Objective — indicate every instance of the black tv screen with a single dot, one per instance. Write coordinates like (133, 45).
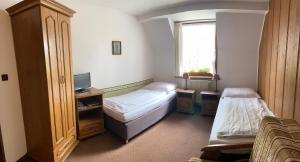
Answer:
(82, 81)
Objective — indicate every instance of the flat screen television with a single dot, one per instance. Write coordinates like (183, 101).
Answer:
(82, 82)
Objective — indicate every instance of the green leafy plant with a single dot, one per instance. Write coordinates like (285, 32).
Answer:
(204, 70)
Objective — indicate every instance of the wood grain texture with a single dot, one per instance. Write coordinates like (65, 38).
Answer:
(273, 70)
(42, 44)
(297, 101)
(222, 147)
(291, 60)
(269, 52)
(64, 27)
(262, 61)
(50, 30)
(51, 4)
(33, 83)
(279, 62)
(90, 118)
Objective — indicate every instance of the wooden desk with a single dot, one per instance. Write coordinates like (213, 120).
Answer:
(185, 100)
(89, 108)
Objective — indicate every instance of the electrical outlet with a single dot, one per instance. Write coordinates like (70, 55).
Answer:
(4, 77)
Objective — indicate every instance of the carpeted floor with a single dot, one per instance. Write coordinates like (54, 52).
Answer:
(174, 139)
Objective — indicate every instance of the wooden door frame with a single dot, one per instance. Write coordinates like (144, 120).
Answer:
(2, 153)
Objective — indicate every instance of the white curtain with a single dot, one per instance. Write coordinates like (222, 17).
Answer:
(178, 38)
(195, 47)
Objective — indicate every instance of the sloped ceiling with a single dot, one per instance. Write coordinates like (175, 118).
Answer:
(140, 7)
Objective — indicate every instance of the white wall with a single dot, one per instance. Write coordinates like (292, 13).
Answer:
(160, 33)
(93, 30)
(11, 118)
(238, 48)
(163, 43)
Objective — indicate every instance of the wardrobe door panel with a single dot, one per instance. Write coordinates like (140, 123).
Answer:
(65, 43)
(52, 56)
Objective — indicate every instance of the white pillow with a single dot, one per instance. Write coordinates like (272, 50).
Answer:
(161, 86)
(240, 93)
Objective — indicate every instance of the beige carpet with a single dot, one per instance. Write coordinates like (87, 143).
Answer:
(174, 139)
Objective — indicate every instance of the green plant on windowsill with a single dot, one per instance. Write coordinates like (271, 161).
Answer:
(204, 70)
(200, 72)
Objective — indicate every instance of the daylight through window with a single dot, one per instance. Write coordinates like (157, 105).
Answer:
(198, 52)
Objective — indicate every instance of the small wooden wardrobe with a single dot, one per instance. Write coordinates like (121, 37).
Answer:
(42, 39)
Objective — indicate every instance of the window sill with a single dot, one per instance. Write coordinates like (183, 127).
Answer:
(196, 77)
(200, 77)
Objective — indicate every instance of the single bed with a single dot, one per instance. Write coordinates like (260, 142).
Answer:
(239, 114)
(129, 114)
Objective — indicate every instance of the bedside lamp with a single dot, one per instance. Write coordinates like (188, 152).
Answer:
(216, 77)
(185, 77)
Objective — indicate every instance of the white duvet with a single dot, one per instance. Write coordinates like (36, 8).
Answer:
(241, 117)
(134, 100)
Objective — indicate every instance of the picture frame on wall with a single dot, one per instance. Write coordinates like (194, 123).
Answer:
(116, 47)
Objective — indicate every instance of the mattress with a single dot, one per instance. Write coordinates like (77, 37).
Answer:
(218, 122)
(133, 105)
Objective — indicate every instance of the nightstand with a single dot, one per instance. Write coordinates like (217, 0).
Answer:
(209, 102)
(89, 108)
(185, 100)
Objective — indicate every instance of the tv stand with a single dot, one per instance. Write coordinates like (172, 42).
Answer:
(81, 90)
(89, 108)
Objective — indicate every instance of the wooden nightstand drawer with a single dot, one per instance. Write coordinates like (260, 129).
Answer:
(209, 108)
(184, 103)
(90, 129)
(185, 100)
(209, 102)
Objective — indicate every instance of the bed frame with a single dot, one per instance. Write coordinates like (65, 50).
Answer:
(132, 128)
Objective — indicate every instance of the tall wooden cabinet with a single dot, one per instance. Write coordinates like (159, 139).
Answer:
(42, 38)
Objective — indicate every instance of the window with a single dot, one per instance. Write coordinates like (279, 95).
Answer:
(196, 51)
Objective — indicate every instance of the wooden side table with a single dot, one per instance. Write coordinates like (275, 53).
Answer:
(209, 102)
(89, 108)
(185, 100)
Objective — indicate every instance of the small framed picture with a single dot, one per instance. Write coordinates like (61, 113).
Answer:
(116, 48)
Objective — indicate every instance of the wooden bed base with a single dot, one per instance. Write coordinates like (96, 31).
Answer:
(214, 151)
(132, 128)
(222, 147)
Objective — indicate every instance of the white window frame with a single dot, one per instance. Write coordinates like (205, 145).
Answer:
(178, 39)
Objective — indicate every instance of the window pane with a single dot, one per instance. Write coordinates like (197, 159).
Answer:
(198, 47)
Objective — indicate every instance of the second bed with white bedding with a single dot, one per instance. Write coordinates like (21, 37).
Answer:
(130, 106)
(237, 120)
